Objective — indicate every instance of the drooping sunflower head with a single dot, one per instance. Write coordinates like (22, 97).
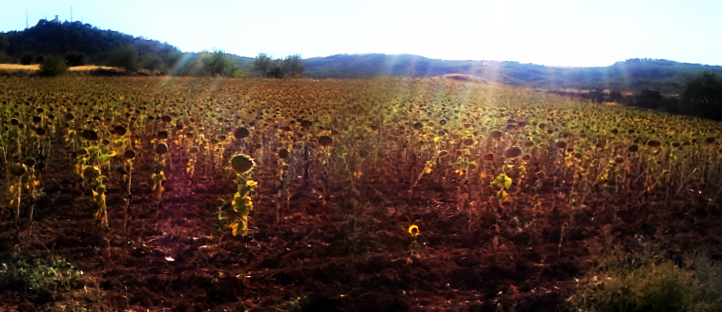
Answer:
(29, 162)
(91, 172)
(119, 130)
(129, 154)
(242, 163)
(241, 132)
(512, 152)
(325, 140)
(17, 169)
(161, 148)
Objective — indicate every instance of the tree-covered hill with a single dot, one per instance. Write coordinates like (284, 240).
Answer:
(630, 75)
(84, 40)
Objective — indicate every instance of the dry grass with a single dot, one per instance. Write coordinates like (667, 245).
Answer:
(18, 67)
(91, 67)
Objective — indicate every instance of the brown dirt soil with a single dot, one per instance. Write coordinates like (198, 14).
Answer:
(463, 77)
(355, 259)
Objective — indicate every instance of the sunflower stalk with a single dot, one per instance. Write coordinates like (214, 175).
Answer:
(158, 177)
(33, 183)
(221, 222)
(16, 194)
(242, 202)
(129, 155)
(95, 178)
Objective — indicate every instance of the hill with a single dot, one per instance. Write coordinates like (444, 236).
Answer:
(630, 75)
(64, 38)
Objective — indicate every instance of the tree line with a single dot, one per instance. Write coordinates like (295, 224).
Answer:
(210, 63)
(701, 97)
(290, 67)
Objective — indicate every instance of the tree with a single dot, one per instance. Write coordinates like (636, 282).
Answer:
(171, 58)
(76, 59)
(53, 65)
(153, 63)
(218, 63)
(275, 72)
(703, 96)
(263, 64)
(27, 58)
(125, 57)
(3, 42)
(648, 99)
(293, 66)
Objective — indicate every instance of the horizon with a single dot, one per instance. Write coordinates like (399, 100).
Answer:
(567, 34)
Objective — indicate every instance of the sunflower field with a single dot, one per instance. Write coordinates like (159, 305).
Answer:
(391, 194)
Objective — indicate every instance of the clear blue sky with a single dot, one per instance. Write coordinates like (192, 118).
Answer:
(559, 33)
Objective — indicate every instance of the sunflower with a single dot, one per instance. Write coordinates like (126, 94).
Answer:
(161, 148)
(17, 169)
(414, 230)
(242, 163)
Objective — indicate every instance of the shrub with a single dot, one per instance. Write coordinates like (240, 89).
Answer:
(48, 274)
(239, 73)
(53, 66)
(709, 274)
(633, 283)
